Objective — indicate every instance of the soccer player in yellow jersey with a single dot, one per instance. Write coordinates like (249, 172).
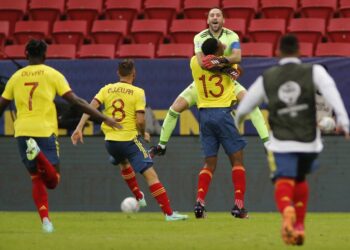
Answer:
(217, 128)
(126, 103)
(33, 90)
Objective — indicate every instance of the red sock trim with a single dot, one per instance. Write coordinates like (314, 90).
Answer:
(129, 177)
(284, 193)
(301, 196)
(40, 196)
(159, 193)
(47, 171)
(204, 180)
(239, 184)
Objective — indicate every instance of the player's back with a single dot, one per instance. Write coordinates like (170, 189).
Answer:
(121, 101)
(33, 89)
(215, 89)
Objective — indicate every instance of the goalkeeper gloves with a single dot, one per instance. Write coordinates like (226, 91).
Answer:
(210, 61)
(233, 73)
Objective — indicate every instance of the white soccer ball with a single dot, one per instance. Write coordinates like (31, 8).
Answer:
(327, 124)
(130, 205)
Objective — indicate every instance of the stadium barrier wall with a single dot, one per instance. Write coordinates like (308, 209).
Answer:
(90, 183)
(163, 80)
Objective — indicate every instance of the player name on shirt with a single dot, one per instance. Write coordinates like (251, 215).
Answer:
(120, 90)
(32, 73)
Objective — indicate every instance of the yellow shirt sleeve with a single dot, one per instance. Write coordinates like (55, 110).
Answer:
(8, 92)
(100, 96)
(140, 104)
(62, 85)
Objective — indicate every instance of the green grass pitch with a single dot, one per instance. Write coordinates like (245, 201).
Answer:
(97, 230)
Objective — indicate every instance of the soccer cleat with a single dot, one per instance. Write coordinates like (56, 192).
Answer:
(32, 149)
(176, 216)
(240, 213)
(299, 234)
(199, 210)
(142, 202)
(47, 225)
(157, 150)
(288, 232)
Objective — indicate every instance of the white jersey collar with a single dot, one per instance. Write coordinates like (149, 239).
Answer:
(289, 60)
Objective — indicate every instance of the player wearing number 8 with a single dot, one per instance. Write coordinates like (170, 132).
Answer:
(33, 89)
(215, 98)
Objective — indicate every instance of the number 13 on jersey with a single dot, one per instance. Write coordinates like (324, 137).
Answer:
(212, 85)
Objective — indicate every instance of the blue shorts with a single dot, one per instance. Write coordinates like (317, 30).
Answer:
(134, 151)
(48, 145)
(293, 165)
(217, 127)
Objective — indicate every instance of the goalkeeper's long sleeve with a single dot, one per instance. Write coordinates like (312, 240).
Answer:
(259, 123)
(168, 126)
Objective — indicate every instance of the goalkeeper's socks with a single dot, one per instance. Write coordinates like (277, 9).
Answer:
(301, 196)
(204, 180)
(129, 177)
(284, 193)
(47, 171)
(168, 126)
(159, 193)
(239, 184)
(40, 197)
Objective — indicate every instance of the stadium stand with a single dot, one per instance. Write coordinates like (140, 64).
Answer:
(69, 32)
(306, 49)
(318, 8)
(278, 9)
(103, 51)
(43, 10)
(162, 9)
(344, 8)
(333, 49)
(267, 30)
(25, 30)
(308, 29)
(196, 9)
(182, 32)
(136, 51)
(257, 49)
(4, 32)
(245, 9)
(61, 51)
(237, 25)
(12, 11)
(180, 50)
(339, 30)
(15, 51)
(149, 31)
(109, 31)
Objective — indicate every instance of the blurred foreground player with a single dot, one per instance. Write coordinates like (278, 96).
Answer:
(289, 91)
(126, 103)
(33, 89)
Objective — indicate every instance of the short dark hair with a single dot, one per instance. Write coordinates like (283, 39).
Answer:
(36, 49)
(210, 46)
(126, 67)
(289, 44)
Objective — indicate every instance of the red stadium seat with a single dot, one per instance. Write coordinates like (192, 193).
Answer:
(149, 31)
(278, 9)
(25, 30)
(84, 10)
(267, 30)
(61, 51)
(318, 8)
(162, 9)
(15, 51)
(197, 9)
(109, 31)
(339, 30)
(333, 49)
(179, 50)
(12, 11)
(4, 32)
(181, 31)
(306, 49)
(123, 10)
(237, 25)
(308, 29)
(69, 32)
(43, 10)
(344, 8)
(136, 51)
(106, 51)
(244, 9)
(257, 49)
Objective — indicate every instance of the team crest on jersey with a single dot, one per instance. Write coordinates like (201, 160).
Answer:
(289, 93)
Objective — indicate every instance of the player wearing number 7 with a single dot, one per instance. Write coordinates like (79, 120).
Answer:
(126, 103)
(33, 90)
(215, 98)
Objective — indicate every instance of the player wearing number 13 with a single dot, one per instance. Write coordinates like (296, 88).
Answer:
(215, 98)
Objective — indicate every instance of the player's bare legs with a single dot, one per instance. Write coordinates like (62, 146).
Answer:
(129, 177)
(159, 193)
(239, 184)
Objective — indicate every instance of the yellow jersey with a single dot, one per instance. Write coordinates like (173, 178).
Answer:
(33, 89)
(215, 89)
(121, 101)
